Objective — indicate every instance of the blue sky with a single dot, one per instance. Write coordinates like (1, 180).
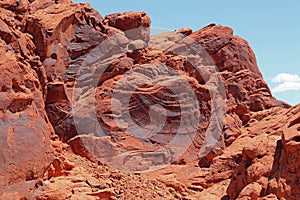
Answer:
(272, 29)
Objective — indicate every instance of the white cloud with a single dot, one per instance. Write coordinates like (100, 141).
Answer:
(286, 82)
(287, 86)
(284, 77)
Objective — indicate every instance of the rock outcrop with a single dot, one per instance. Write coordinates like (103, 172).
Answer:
(25, 129)
(82, 94)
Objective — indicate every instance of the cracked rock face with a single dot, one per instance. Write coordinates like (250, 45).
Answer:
(284, 183)
(79, 90)
(25, 129)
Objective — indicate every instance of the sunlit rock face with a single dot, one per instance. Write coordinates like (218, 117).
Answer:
(160, 105)
(287, 164)
(82, 94)
(25, 129)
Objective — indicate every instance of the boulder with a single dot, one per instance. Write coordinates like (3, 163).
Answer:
(136, 25)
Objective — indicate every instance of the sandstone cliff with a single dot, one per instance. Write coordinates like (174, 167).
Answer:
(95, 107)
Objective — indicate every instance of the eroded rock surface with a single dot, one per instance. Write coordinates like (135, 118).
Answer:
(25, 129)
(79, 90)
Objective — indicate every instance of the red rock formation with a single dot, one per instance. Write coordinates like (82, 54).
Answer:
(134, 24)
(24, 125)
(120, 97)
(284, 181)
